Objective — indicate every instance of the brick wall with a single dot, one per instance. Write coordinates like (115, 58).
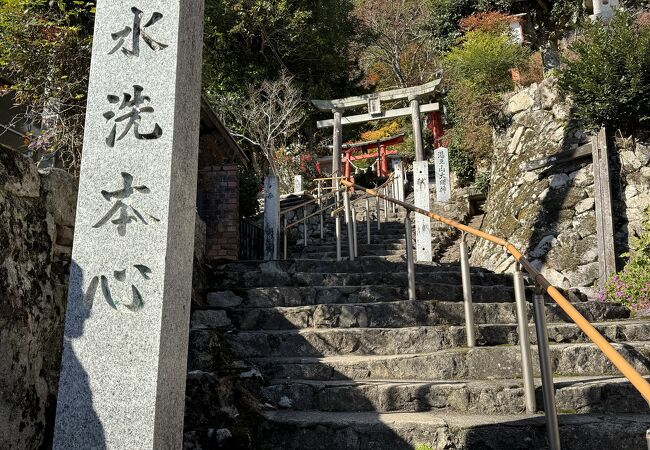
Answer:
(218, 205)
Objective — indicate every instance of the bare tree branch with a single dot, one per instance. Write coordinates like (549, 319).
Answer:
(268, 118)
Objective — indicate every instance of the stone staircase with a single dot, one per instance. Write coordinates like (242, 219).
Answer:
(349, 363)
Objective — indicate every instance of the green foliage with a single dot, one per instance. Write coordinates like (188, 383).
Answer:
(631, 287)
(445, 16)
(460, 162)
(423, 447)
(607, 74)
(248, 41)
(478, 71)
(482, 182)
(485, 60)
(45, 48)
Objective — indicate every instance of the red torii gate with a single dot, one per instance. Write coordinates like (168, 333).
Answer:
(382, 153)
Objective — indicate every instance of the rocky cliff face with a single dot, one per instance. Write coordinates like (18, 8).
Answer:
(549, 212)
(37, 211)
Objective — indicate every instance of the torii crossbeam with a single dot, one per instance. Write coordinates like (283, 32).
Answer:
(373, 103)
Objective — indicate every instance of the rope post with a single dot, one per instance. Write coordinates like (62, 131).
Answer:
(305, 234)
(337, 225)
(409, 256)
(467, 292)
(368, 220)
(320, 206)
(378, 213)
(354, 228)
(284, 243)
(552, 427)
(348, 219)
(524, 340)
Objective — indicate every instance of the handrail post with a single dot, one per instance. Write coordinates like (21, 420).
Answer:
(285, 237)
(337, 225)
(552, 427)
(320, 207)
(378, 213)
(524, 340)
(368, 220)
(348, 219)
(305, 234)
(409, 256)
(354, 228)
(467, 292)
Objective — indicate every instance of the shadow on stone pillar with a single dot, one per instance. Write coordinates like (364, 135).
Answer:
(81, 412)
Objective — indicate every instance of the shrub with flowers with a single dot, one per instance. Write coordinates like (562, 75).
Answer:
(631, 286)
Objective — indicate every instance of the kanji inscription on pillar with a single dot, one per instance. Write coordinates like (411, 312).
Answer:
(443, 183)
(127, 321)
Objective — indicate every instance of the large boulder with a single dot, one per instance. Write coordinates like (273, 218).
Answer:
(36, 222)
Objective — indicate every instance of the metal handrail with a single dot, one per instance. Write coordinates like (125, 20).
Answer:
(309, 202)
(339, 210)
(319, 200)
(299, 221)
(610, 352)
(327, 178)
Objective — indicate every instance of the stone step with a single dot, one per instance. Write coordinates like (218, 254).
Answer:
(397, 232)
(573, 395)
(454, 364)
(299, 430)
(377, 264)
(394, 314)
(362, 254)
(411, 340)
(322, 248)
(254, 279)
(282, 296)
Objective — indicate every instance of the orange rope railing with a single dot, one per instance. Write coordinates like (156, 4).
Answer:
(610, 352)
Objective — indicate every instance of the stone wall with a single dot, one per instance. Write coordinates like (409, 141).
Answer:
(631, 193)
(549, 213)
(296, 233)
(218, 199)
(37, 212)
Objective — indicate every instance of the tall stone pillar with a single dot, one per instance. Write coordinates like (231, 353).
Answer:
(417, 128)
(598, 7)
(271, 217)
(422, 200)
(337, 143)
(123, 372)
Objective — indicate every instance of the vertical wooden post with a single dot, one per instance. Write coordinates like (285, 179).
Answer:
(348, 164)
(417, 128)
(435, 125)
(604, 218)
